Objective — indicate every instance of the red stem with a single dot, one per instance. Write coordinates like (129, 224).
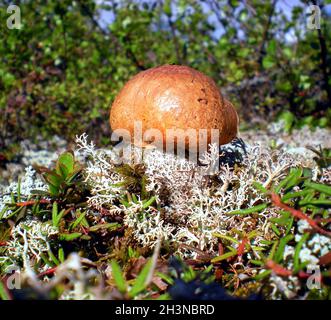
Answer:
(298, 214)
(31, 202)
(47, 272)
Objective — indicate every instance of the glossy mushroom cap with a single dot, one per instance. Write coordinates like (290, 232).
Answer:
(174, 97)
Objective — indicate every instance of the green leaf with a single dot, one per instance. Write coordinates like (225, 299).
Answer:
(273, 250)
(110, 226)
(53, 179)
(272, 47)
(224, 256)
(258, 186)
(56, 217)
(53, 258)
(46, 260)
(65, 164)
(289, 119)
(257, 262)
(291, 195)
(149, 202)
(268, 62)
(54, 213)
(244, 212)
(283, 219)
(118, 277)
(294, 178)
(3, 292)
(167, 8)
(262, 275)
(73, 175)
(140, 282)
(275, 229)
(2, 212)
(319, 187)
(78, 220)
(316, 203)
(280, 251)
(54, 191)
(69, 236)
(61, 255)
(134, 198)
(39, 193)
(165, 277)
(223, 236)
(289, 178)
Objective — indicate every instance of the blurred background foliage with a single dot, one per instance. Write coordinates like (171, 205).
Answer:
(60, 72)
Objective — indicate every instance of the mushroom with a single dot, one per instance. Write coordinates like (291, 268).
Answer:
(178, 98)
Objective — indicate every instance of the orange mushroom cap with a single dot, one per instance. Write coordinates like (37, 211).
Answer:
(174, 97)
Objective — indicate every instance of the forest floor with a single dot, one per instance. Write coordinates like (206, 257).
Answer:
(251, 221)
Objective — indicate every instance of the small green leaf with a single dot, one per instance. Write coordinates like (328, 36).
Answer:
(39, 192)
(54, 191)
(268, 62)
(165, 277)
(258, 186)
(110, 226)
(272, 47)
(319, 187)
(316, 203)
(46, 260)
(149, 202)
(275, 229)
(69, 236)
(273, 250)
(280, 251)
(294, 179)
(61, 255)
(54, 213)
(134, 198)
(53, 179)
(3, 292)
(224, 256)
(262, 275)
(118, 277)
(257, 262)
(2, 212)
(140, 282)
(247, 211)
(291, 195)
(283, 219)
(53, 258)
(289, 119)
(56, 217)
(65, 164)
(78, 220)
(223, 236)
(292, 176)
(72, 176)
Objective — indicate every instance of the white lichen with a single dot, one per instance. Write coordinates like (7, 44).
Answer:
(28, 182)
(29, 240)
(195, 204)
